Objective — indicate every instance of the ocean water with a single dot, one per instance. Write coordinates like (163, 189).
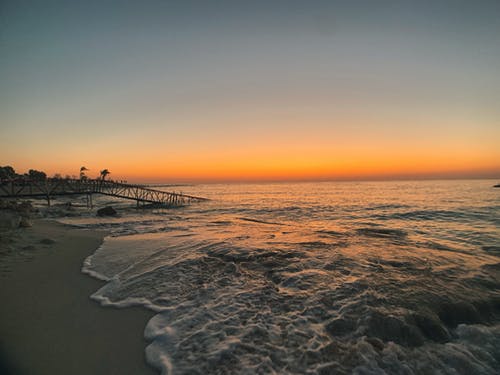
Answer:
(312, 278)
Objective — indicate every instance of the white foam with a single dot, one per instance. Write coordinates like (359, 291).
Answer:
(87, 269)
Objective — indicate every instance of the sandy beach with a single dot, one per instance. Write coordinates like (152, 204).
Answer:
(48, 323)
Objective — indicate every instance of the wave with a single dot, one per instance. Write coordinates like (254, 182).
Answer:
(494, 250)
(439, 215)
(260, 221)
(387, 233)
(225, 308)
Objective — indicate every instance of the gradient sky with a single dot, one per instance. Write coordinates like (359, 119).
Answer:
(251, 90)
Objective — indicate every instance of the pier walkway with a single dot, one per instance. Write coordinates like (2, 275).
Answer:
(51, 187)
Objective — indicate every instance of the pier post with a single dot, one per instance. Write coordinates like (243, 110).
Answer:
(89, 201)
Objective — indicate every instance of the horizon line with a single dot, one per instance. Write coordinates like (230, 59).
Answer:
(284, 181)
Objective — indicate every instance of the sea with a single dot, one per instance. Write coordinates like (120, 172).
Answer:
(311, 278)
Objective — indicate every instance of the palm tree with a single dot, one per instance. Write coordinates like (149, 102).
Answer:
(104, 173)
(82, 173)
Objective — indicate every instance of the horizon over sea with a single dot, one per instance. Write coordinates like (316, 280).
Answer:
(386, 179)
(398, 277)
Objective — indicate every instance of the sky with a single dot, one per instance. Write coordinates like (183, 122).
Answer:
(202, 91)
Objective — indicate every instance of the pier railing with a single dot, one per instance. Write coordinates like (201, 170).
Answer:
(51, 187)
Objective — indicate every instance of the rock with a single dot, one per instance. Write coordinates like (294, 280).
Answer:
(376, 343)
(489, 309)
(453, 314)
(25, 223)
(9, 220)
(391, 328)
(106, 211)
(431, 327)
(47, 241)
(340, 326)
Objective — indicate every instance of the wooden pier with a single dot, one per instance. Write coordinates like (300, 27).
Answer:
(51, 187)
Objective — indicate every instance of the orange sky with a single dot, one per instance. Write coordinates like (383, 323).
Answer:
(294, 156)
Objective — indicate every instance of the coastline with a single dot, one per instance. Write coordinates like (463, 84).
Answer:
(48, 323)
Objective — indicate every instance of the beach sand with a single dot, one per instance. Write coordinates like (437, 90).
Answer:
(48, 323)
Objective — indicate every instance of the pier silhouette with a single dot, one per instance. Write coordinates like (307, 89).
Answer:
(52, 187)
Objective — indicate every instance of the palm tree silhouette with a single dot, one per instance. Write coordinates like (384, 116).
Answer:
(82, 173)
(104, 173)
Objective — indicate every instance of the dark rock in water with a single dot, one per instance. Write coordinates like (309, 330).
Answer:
(376, 343)
(340, 326)
(391, 328)
(106, 211)
(431, 328)
(488, 309)
(453, 314)
(47, 241)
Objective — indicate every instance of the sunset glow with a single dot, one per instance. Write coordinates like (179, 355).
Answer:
(251, 93)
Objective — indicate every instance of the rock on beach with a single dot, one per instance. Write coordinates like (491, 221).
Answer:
(106, 211)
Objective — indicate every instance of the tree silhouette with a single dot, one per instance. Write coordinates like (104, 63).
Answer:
(7, 172)
(104, 173)
(82, 173)
(37, 175)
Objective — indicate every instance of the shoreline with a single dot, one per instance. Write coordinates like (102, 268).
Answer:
(48, 323)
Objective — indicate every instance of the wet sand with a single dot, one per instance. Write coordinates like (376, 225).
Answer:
(48, 323)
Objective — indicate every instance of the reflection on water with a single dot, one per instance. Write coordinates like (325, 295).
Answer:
(401, 277)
